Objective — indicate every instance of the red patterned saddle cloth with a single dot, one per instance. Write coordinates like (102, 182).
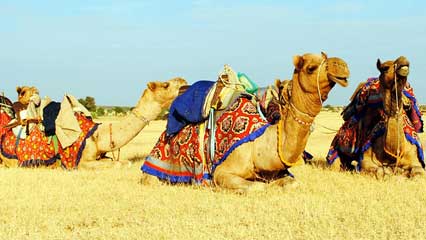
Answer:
(184, 157)
(39, 150)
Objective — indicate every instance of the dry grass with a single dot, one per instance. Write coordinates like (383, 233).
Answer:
(112, 204)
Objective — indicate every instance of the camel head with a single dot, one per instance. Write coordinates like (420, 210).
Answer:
(164, 93)
(313, 78)
(317, 74)
(393, 77)
(27, 94)
(393, 70)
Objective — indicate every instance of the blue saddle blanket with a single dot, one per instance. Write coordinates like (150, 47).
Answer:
(188, 107)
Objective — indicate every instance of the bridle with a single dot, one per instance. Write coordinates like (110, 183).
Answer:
(294, 111)
(318, 76)
(288, 107)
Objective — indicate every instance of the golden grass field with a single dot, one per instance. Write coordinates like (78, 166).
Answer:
(112, 204)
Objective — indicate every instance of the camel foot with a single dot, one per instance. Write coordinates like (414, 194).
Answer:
(284, 182)
(252, 188)
(380, 173)
(150, 180)
(416, 172)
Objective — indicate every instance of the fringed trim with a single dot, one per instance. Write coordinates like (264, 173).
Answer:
(331, 156)
(38, 162)
(173, 177)
(415, 106)
(414, 141)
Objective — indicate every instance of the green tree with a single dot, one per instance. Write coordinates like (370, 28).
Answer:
(100, 111)
(118, 110)
(89, 103)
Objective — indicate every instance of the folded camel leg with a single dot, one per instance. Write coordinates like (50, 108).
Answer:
(236, 175)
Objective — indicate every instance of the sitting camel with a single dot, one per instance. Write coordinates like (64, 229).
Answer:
(265, 154)
(98, 139)
(381, 126)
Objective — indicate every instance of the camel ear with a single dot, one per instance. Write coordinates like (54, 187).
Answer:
(324, 55)
(18, 90)
(277, 83)
(379, 64)
(151, 86)
(298, 62)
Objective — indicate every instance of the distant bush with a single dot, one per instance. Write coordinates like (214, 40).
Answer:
(89, 103)
(100, 111)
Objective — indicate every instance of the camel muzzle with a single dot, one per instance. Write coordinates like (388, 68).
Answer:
(337, 71)
(403, 71)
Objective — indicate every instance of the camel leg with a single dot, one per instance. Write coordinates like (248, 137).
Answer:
(369, 165)
(235, 171)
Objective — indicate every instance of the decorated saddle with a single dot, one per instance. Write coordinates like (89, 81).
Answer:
(59, 138)
(195, 104)
(37, 149)
(186, 157)
(351, 141)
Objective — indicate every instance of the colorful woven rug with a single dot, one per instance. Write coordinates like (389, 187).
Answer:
(352, 142)
(39, 150)
(183, 157)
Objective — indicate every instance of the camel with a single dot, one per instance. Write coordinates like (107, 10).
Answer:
(396, 148)
(109, 137)
(252, 165)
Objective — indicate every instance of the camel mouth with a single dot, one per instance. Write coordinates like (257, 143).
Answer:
(342, 81)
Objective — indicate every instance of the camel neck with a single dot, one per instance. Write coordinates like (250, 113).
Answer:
(392, 101)
(308, 103)
(147, 109)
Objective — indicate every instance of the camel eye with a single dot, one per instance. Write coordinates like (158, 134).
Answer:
(22, 93)
(311, 69)
(385, 69)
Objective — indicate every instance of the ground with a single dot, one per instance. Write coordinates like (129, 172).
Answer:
(112, 204)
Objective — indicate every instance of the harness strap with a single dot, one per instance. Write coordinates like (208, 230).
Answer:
(18, 137)
(212, 138)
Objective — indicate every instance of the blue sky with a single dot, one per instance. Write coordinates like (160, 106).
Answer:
(111, 49)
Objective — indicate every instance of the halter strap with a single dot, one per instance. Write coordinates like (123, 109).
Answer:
(318, 76)
(139, 116)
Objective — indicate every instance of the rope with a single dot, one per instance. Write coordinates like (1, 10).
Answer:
(397, 117)
(318, 76)
(112, 145)
(332, 130)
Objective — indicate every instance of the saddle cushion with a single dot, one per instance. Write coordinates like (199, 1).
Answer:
(188, 107)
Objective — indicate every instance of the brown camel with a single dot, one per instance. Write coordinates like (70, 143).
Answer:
(392, 149)
(281, 145)
(380, 133)
(157, 97)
